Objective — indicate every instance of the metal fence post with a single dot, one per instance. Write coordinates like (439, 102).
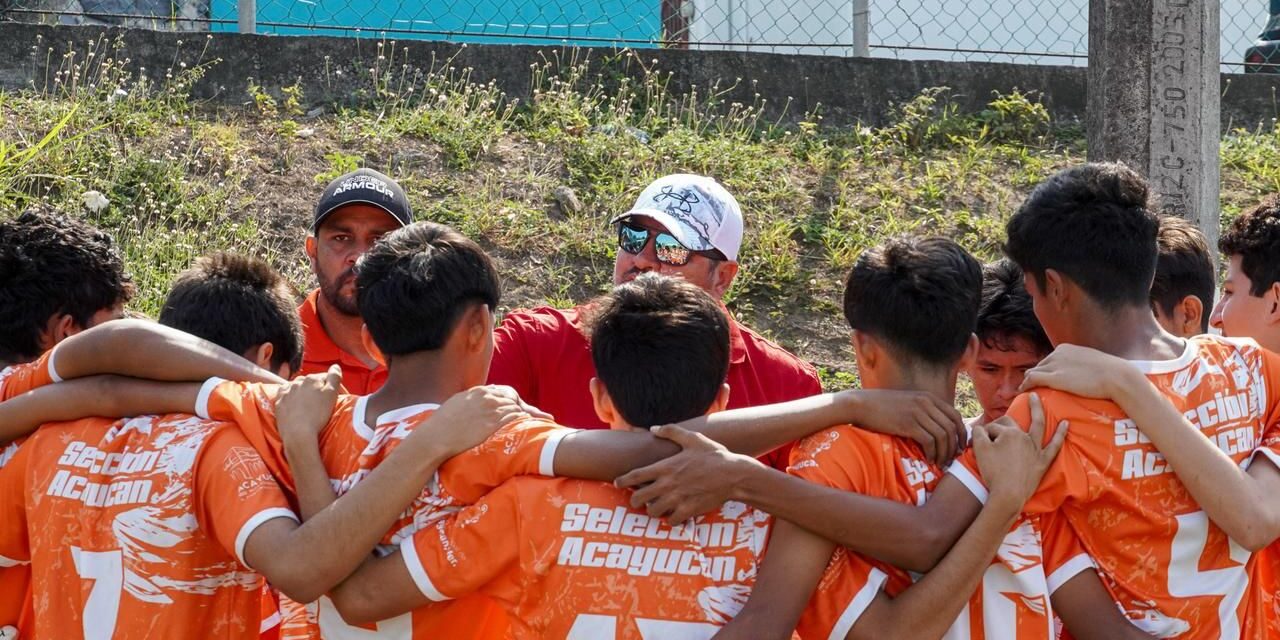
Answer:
(247, 11)
(861, 29)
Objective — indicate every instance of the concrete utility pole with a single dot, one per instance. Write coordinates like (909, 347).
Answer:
(1154, 99)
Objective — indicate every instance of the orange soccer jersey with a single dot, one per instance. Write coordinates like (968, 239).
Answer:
(1013, 600)
(136, 528)
(569, 559)
(351, 447)
(1174, 572)
(15, 598)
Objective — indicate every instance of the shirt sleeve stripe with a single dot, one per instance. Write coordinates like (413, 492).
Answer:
(547, 461)
(970, 481)
(202, 400)
(256, 521)
(859, 604)
(5, 563)
(419, 574)
(1069, 570)
(53, 370)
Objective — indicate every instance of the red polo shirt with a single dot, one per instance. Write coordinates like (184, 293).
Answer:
(319, 352)
(545, 356)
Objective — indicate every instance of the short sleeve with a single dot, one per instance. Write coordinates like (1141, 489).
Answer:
(234, 491)
(1066, 477)
(843, 458)
(1063, 554)
(523, 448)
(1269, 446)
(848, 586)
(252, 408)
(512, 364)
(15, 547)
(21, 378)
(458, 556)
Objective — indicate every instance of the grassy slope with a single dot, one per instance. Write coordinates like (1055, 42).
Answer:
(183, 178)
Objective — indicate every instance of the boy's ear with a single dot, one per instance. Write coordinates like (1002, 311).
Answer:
(866, 351)
(970, 356)
(1272, 296)
(480, 327)
(261, 355)
(371, 347)
(722, 400)
(58, 328)
(1055, 288)
(603, 404)
(1193, 315)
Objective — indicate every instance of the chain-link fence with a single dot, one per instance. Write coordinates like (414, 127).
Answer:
(1035, 31)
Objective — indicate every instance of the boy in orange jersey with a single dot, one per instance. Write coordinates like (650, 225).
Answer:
(149, 526)
(582, 563)
(1246, 313)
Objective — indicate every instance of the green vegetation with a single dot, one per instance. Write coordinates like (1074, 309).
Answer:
(182, 178)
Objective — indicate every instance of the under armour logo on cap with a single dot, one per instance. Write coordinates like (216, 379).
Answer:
(695, 209)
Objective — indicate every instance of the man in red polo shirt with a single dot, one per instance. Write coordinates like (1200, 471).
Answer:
(355, 210)
(682, 225)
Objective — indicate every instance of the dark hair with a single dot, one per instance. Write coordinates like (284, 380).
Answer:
(1183, 268)
(53, 264)
(1092, 224)
(237, 303)
(1255, 237)
(661, 348)
(1006, 313)
(919, 295)
(415, 283)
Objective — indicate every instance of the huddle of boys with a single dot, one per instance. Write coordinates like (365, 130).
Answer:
(1128, 497)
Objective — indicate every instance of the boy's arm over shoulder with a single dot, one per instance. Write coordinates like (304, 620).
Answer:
(527, 446)
(106, 396)
(464, 553)
(145, 349)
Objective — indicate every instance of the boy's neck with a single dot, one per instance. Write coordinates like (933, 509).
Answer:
(1130, 332)
(425, 377)
(936, 381)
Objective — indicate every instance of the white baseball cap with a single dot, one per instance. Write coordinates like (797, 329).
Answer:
(696, 210)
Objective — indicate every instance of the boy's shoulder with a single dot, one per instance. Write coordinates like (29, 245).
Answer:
(850, 444)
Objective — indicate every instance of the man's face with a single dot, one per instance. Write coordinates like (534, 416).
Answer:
(1240, 314)
(706, 273)
(998, 370)
(343, 237)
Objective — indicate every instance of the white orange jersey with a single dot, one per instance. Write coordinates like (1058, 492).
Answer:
(571, 560)
(136, 528)
(15, 594)
(1174, 572)
(351, 447)
(1013, 599)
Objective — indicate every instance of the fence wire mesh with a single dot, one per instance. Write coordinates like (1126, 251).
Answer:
(1029, 31)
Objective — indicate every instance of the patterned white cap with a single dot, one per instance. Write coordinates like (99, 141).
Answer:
(697, 210)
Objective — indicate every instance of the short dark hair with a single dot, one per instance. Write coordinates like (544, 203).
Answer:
(53, 264)
(1255, 237)
(661, 348)
(1006, 313)
(1093, 224)
(236, 302)
(1183, 268)
(919, 295)
(414, 284)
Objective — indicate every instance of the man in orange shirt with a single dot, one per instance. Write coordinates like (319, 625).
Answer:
(570, 558)
(355, 210)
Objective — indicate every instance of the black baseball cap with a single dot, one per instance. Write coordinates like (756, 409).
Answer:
(364, 186)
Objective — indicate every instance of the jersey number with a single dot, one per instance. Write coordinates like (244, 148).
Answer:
(106, 570)
(1186, 580)
(596, 627)
(333, 627)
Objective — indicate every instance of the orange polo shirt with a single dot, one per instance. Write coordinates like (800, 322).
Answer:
(319, 352)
